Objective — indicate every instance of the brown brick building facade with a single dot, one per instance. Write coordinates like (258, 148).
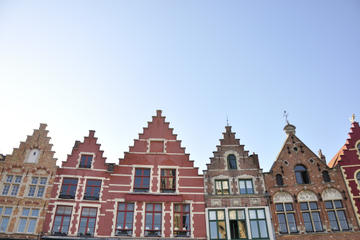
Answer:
(308, 200)
(236, 205)
(26, 182)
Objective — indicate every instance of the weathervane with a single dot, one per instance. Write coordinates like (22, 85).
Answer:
(352, 119)
(227, 121)
(286, 114)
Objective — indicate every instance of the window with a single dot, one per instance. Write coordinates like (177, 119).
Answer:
(246, 186)
(85, 161)
(87, 221)
(142, 180)
(279, 180)
(237, 224)
(311, 215)
(358, 147)
(301, 175)
(222, 187)
(326, 176)
(11, 185)
(286, 218)
(5, 213)
(336, 214)
(217, 224)
(33, 156)
(231, 159)
(168, 180)
(68, 188)
(258, 224)
(27, 223)
(93, 188)
(124, 220)
(358, 177)
(37, 187)
(62, 220)
(153, 218)
(182, 220)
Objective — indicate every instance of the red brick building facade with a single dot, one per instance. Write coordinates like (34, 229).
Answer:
(348, 160)
(155, 191)
(236, 204)
(26, 183)
(307, 198)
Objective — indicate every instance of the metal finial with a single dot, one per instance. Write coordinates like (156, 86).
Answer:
(286, 114)
(227, 121)
(352, 119)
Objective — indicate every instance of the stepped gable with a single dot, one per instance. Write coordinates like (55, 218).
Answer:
(38, 140)
(230, 143)
(88, 147)
(157, 137)
(348, 152)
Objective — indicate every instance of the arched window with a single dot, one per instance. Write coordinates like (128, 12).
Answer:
(310, 211)
(279, 180)
(358, 147)
(231, 159)
(285, 213)
(326, 176)
(301, 174)
(358, 177)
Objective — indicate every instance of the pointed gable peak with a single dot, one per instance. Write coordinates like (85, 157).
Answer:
(229, 137)
(158, 128)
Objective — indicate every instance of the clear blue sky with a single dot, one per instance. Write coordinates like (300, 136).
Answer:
(108, 65)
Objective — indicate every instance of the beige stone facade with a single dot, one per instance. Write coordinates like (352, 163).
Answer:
(26, 182)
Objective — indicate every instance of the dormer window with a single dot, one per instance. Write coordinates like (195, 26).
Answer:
(301, 174)
(85, 161)
(33, 156)
(231, 160)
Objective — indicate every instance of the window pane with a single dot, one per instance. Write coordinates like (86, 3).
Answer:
(263, 229)
(43, 180)
(25, 212)
(222, 229)
(328, 205)
(317, 221)
(338, 204)
(8, 211)
(313, 206)
(40, 191)
(307, 222)
(261, 213)
(249, 186)
(304, 206)
(333, 223)
(213, 230)
(282, 223)
(18, 179)
(4, 223)
(212, 215)
(292, 222)
(342, 220)
(252, 214)
(232, 214)
(241, 214)
(32, 225)
(22, 224)
(254, 229)
(288, 207)
(34, 180)
(220, 215)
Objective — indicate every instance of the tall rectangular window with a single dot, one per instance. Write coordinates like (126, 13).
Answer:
(11, 185)
(92, 190)
(311, 215)
(246, 186)
(85, 161)
(68, 188)
(258, 224)
(337, 216)
(182, 220)
(142, 180)
(28, 219)
(153, 216)
(124, 219)
(168, 180)
(286, 218)
(62, 220)
(87, 221)
(222, 187)
(37, 187)
(237, 221)
(5, 213)
(217, 224)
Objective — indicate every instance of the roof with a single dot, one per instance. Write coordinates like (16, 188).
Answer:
(334, 161)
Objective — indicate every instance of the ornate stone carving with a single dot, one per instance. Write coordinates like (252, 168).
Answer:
(215, 202)
(282, 197)
(306, 196)
(331, 194)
